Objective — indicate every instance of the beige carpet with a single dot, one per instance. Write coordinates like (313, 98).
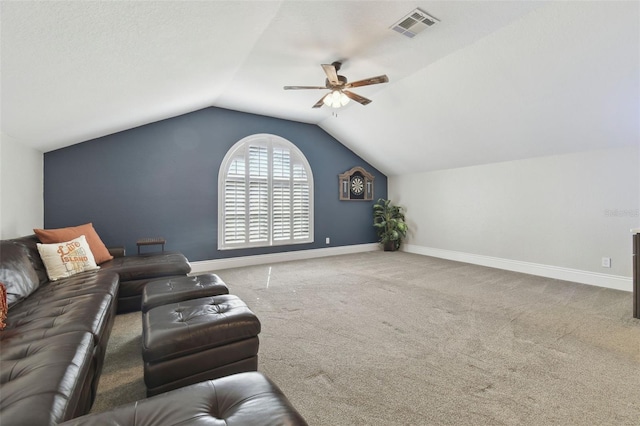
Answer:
(394, 338)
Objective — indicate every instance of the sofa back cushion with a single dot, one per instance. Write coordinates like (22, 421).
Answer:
(16, 271)
(30, 242)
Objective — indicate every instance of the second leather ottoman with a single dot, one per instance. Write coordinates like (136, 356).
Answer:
(196, 340)
(176, 289)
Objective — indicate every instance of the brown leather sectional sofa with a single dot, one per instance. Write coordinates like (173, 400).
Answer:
(136, 271)
(53, 346)
(244, 399)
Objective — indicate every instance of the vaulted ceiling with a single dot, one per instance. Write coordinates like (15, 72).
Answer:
(492, 81)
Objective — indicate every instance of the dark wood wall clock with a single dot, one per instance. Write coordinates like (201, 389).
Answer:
(356, 184)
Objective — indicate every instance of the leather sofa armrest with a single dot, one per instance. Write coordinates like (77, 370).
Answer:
(116, 251)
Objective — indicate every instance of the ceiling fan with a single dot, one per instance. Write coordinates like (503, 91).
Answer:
(337, 84)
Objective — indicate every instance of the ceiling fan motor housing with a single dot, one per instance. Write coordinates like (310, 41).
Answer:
(341, 79)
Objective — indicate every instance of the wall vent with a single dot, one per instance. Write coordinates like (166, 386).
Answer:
(414, 23)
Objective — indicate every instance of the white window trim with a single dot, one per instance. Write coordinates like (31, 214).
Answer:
(296, 155)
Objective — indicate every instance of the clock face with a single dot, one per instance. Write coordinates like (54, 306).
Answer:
(357, 185)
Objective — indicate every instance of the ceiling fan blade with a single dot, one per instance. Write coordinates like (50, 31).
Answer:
(360, 99)
(366, 82)
(332, 74)
(303, 87)
(321, 101)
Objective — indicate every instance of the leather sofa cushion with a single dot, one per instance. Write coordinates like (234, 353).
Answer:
(30, 242)
(41, 381)
(77, 285)
(36, 318)
(245, 399)
(16, 272)
(151, 265)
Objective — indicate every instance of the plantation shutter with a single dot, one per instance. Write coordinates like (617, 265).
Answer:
(258, 194)
(281, 194)
(234, 205)
(267, 198)
(300, 201)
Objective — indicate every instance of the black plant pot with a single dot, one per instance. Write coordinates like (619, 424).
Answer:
(390, 246)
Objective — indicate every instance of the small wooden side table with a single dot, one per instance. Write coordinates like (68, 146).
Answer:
(151, 242)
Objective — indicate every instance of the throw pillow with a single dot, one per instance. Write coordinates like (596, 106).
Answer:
(66, 259)
(3, 306)
(100, 252)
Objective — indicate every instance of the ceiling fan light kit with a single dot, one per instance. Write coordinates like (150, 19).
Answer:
(337, 84)
(336, 99)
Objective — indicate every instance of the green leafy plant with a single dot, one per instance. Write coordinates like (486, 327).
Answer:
(388, 219)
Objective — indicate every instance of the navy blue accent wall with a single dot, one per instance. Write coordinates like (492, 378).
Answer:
(161, 179)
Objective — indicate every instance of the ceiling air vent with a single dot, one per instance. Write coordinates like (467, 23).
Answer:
(414, 23)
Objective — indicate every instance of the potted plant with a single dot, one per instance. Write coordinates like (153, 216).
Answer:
(388, 219)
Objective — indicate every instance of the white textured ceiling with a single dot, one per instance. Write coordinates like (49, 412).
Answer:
(493, 81)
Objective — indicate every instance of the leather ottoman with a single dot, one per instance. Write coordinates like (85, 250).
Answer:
(176, 289)
(247, 399)
(199, 339)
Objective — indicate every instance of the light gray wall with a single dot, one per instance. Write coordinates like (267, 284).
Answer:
(21, 188)
(565, 211)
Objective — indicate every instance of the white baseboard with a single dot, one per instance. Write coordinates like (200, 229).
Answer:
(261, 259)
(615, 282)
(584, 277)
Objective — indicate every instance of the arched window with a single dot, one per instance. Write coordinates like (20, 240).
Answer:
(265, 194)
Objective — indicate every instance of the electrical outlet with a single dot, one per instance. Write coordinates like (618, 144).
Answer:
(606, 262)
(327, 240)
